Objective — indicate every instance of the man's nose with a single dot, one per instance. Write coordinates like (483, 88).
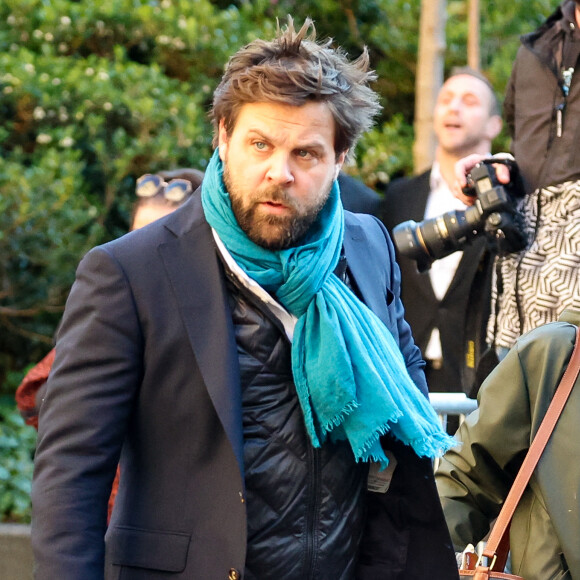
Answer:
(454, 104)
(280, 169)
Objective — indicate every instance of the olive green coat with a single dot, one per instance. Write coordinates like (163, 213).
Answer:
(474, 478)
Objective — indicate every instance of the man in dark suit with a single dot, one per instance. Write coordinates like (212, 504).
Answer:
(447, 306)
(252, 374)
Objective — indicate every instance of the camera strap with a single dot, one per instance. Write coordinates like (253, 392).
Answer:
(570, 53)
(476, 319)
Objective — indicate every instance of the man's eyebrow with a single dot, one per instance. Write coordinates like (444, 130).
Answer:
(258, 133)
(471, 94)
(311, 145)
(318, 145)
(451, 93)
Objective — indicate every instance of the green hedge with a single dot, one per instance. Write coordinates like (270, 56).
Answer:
(92, 96)
(17, 442)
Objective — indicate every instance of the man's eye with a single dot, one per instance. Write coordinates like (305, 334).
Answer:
(303, 154)
(260, 145)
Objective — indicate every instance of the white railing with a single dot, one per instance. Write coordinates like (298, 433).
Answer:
(446, 404)
(452, 404)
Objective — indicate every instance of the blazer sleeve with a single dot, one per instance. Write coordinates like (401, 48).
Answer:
(382, 251)
(83, 420)
(411, 352)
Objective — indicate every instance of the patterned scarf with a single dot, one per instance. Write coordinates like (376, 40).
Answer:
(349, 372)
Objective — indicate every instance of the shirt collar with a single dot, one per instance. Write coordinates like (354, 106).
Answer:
(436, 179)
(287, 319)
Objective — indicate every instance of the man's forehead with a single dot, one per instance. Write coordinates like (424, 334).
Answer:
(466, 84)
(310, 122)
(318, 111)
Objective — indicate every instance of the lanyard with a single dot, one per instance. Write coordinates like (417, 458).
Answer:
(570, 56)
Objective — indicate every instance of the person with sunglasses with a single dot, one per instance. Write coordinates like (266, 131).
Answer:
(159, 194)
(247, 360)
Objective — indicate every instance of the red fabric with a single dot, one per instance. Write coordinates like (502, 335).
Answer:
(25, 397)
(113, 495)
(26, 392)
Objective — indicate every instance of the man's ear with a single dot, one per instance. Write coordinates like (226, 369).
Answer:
(494, 126)
(222, 140)
(339, 163)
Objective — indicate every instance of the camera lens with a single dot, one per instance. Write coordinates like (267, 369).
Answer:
(494, 212)
(409, 241)
(436, 238)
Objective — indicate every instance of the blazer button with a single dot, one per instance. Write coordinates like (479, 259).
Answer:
(234, 574)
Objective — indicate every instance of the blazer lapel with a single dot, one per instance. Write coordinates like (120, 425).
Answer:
(413, 207)
(417, 200)
(469, 263)
(371, 292)
(196, 275)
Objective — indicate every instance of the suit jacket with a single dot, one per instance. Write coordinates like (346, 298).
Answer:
(147, 372)
(461, 316)
(357, 197)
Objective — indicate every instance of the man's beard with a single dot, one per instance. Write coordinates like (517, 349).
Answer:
(464, 147)
(273, 232)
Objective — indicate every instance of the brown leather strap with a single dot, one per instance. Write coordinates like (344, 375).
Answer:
(496, 550)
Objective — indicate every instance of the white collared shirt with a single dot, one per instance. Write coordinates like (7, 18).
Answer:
(440, 200)
(287, 319)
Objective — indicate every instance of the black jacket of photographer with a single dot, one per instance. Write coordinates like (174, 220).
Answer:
(536, 103)
(461, 315)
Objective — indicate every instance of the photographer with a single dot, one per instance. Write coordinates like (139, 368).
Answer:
(542, 110)
(466, 119)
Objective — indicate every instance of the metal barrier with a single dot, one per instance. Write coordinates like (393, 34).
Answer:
(446, 404)
(452, 404)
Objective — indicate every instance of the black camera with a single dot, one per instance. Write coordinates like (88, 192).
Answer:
(494, 213)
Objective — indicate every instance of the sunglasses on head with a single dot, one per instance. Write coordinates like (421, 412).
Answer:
(150, 185)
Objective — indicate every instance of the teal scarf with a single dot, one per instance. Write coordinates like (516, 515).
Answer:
(349, 372)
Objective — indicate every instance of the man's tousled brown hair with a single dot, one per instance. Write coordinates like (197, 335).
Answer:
(295, 69)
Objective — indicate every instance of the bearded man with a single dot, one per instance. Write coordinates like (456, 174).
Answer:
(247, 361)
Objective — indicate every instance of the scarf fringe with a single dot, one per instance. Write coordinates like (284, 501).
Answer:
(379, 458)
(436, 444)
(339, 418)
(363, 452)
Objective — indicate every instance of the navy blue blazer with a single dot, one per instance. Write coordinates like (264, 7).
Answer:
(146, 373)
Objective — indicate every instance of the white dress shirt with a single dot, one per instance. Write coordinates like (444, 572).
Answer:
(440, 201)
(287, 319)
